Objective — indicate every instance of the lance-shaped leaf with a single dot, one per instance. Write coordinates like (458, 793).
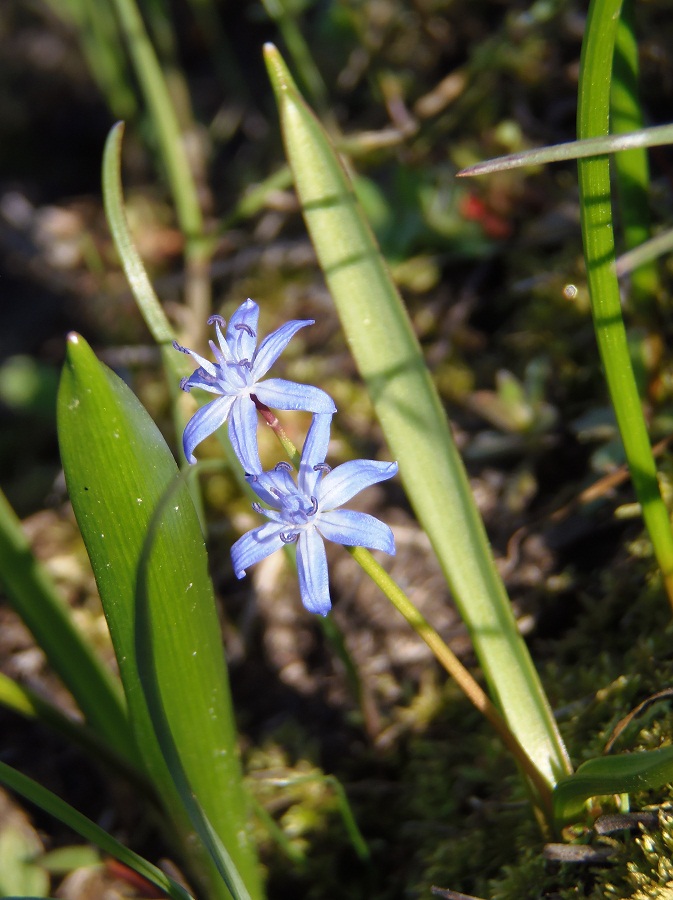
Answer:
(605, 775)
(389, 358)
(150, 564)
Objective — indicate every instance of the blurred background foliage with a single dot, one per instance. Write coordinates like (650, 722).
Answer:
(493, 275)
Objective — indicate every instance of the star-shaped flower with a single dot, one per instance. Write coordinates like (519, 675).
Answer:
(305, 512)
(235, 375)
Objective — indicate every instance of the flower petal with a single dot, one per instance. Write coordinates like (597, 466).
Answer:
(348, 479)
(312, 570)
(204, 379)
(356, 529)
(265, 484)
(254, 546)
(281, 394)
(243, 434)
(314, 453)
(242, 331)
(203, 423)
(274, 344)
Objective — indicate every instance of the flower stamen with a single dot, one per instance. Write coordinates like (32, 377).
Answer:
(289, 537)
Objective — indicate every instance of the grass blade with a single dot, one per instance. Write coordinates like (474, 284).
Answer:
(632, 167)
(599, 253)
(595, 146)
(50, 803)
(34, 597)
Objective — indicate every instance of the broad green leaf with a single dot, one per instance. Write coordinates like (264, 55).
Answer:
(33, 595)
(390, 361)
(58, 808)
(147, 552)
(605, 775)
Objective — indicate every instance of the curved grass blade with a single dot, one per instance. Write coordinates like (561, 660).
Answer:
(136, 275)
(595, 146)
(50, 803)
(33, 595)
(389, 358)
(599, 252)
(118, 468)
(167, 128)
(606, 775)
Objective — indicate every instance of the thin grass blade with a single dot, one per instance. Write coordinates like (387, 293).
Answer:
(50, 803)
(657, 136)
(599, 252)
(632, 167)
(33, 595)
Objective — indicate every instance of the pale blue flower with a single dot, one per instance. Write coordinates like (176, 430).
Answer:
(235, 376)
(305, 512)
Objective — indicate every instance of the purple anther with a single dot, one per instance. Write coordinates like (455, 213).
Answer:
(322, 467)
(180, 348)
(276, 493)
(184, 384)
(314, 507)
(241, 326)
(291, 538)
(219, 319)
(282, 466)
(258, 507)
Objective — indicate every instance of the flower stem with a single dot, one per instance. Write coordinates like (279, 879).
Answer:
(445, 656)
(469, 686)
(272, 421)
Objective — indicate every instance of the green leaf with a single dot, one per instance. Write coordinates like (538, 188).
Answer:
(605, 775)
(19, 872)
(67, 859)
(30, 705)
(381, 338)
(147, 552)
(58, 808)
(593, 115)
(33, 595)
(136, 275)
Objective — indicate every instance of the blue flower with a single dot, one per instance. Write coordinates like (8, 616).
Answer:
(305, 512)
(235, 376)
